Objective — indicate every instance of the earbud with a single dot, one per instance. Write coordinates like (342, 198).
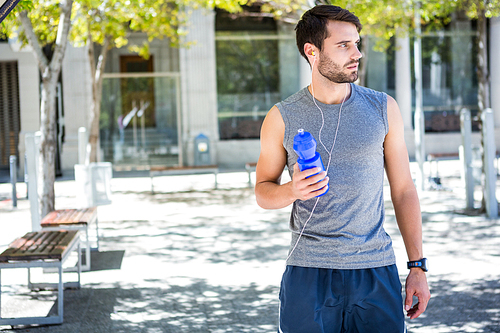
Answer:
(313, 53)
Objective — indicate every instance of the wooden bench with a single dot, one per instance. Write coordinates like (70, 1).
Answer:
(74, 219)
(178, 171)
(42, 249)
(439, 157)
(453, 156)
(250, 167)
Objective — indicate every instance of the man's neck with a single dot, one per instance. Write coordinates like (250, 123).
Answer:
(330, 93)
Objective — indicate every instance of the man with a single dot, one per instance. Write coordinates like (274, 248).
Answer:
(341, 274)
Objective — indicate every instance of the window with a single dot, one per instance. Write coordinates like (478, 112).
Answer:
(140, 109)
(449, 78)
(136, 90)
(9, 112)
(250, 72)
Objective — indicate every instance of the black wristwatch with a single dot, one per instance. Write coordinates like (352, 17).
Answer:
(422, 263)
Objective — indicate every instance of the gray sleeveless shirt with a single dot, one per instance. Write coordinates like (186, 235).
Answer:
(345, 230)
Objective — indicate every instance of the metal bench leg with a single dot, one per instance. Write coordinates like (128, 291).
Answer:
(152, 186)
(60, 294)
(86, 267)
(97, 232)
(30, 285)
(79, 264)
(0, 294)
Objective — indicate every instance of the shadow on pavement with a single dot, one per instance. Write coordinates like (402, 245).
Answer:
(196, 261)
(194, 307)
(106, 260)
(457, 308)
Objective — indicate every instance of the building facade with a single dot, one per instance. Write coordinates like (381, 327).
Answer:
(210, 98)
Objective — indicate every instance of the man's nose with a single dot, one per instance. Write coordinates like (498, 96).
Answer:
(357, 55)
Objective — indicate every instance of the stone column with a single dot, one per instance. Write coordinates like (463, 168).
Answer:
(495, 68)
(404, 89)
(403, 80)
(199, 84)
(77, 98)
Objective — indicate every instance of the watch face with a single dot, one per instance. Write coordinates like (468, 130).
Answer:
(425, 267)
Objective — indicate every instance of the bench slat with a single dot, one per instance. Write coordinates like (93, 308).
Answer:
(89, 214)
(75, 216)
(33, 243)
(69, 216)
(50, 217)
(39, 246)
(65, 216)
(42, 242)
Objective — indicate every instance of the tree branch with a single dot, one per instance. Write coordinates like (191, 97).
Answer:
(91, 50)
(33, 41)
(102, 58)
(62, 35)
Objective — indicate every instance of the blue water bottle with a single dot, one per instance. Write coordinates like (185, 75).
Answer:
(305, 146)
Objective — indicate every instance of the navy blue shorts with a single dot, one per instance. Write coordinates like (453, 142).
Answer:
(317, 300)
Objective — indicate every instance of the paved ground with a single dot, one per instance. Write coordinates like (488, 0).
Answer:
(194, 259)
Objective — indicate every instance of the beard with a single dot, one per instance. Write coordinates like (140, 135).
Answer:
(336, 73)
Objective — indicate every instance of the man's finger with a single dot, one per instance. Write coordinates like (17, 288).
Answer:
(416, 311)
(418, 308)
(408, 300)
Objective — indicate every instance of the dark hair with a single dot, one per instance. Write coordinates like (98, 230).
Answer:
(311, 27)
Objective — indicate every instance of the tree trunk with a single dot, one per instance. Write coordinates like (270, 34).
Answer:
(482, 65)
(48, 141)
(365, 48)
(50, 74)
(483, 96)
(95, 107)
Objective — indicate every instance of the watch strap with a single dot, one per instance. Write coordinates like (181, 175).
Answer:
(422, 264)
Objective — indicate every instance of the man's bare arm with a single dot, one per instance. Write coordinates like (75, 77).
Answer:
(406, 206)
(269, 192)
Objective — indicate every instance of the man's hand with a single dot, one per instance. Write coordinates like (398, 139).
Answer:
(416, 285)
(306, 186)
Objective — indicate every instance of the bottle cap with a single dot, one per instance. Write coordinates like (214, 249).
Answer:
(304, 144)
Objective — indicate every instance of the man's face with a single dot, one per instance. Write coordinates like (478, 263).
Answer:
(339, 59)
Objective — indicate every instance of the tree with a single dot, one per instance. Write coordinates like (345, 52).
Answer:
(481, 10)
(47, 16)
(108, 23)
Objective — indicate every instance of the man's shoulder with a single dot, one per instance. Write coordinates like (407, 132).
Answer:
(292, 99)
(369, 92)
(372, 97)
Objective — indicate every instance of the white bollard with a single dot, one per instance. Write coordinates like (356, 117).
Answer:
(82, 145)
(488, 129)
(32, 171)
(466, 130)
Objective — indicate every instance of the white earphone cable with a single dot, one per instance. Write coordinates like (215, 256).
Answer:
(328, 152)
